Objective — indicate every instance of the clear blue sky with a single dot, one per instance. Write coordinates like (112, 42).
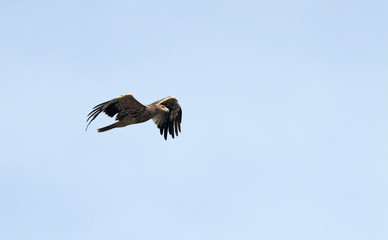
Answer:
(284, 132)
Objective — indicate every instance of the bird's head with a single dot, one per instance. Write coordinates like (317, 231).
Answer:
(164, 108)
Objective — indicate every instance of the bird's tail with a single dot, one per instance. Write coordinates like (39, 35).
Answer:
(107, 128)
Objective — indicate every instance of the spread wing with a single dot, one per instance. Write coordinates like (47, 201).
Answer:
(122, 106)
(169, 122)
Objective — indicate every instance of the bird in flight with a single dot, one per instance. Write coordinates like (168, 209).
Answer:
(166, 113)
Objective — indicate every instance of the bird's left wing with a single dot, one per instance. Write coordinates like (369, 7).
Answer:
(169, 122)
(122, 106)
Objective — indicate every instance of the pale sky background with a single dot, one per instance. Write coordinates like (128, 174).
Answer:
(284, 132)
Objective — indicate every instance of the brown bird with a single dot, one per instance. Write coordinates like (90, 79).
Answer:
(166, 113)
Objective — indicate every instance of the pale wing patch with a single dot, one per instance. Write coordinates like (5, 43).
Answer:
(159, 119)
(156, 119)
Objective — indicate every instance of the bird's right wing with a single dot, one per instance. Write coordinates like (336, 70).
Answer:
(169, 122)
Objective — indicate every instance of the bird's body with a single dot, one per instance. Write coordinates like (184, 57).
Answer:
(166, 113)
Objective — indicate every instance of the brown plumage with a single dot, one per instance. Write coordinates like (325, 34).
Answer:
(166, 113)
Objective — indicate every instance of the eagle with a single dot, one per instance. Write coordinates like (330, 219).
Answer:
(166, 113)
